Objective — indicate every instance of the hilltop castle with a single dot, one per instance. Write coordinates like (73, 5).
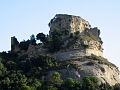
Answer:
(76, 47)
(88, 43)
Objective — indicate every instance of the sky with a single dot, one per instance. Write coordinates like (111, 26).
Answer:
(22, 18)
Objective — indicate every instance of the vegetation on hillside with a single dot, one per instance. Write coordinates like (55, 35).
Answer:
(57, 39)
(26, 74)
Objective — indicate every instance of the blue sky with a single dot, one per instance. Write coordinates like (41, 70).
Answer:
(22, 18)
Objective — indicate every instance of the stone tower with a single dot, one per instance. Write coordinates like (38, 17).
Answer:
(68, 22)
(89, 44)
(14, 44)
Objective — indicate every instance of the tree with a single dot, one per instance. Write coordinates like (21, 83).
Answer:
(56, 78)
(56, 41)
(71, 84)
(90, 83)
(41, 37)
(32, 39)
(51, 88)
(24, 45)
(116, 87)
(3, 70)
(26, 87)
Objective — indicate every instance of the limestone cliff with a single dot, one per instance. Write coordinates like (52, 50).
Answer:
(79, 68)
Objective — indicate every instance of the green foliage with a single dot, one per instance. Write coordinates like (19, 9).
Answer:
(51, 88)
(77, 35)
(56, 41)
(71, 35)
(25, 87)
(116, 87)
(25, 74)
(71, 84)
(11, 65)
(24, 45)
(44, 61)
(41, 37)
(3, 70)
(56, 77)
(100, 60)
(32, 40)
(90, 83)
(66, 32)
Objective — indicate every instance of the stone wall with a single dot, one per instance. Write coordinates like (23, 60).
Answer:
(14, 44)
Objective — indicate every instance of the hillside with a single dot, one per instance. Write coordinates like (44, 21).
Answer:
(69, 58)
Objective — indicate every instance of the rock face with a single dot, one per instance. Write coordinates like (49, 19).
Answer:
(79, 69)
(68, 22)
(90, 42)
(80, 48)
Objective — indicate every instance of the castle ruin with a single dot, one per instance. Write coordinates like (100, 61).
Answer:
(89, 42)
(74, 24)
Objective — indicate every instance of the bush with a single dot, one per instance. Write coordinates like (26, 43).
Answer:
(24, 45)
(90, 83)
(71, 84)
(56, 78)
(51, 88)
(116, 87)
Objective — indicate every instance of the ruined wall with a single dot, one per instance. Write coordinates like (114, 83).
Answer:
(35, 50)
(14, 44)
(85, 46)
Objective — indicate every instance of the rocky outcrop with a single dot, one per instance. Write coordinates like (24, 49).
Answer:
(80, 48)
(89, 41)
(79, 69)
(68, 22)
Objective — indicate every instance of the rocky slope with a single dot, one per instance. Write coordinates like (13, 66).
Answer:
(98, 67)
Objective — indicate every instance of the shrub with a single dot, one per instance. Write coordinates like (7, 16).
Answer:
(116, 87)
(71, 84)
(56, 77)
(51, 88)
(90, 83)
